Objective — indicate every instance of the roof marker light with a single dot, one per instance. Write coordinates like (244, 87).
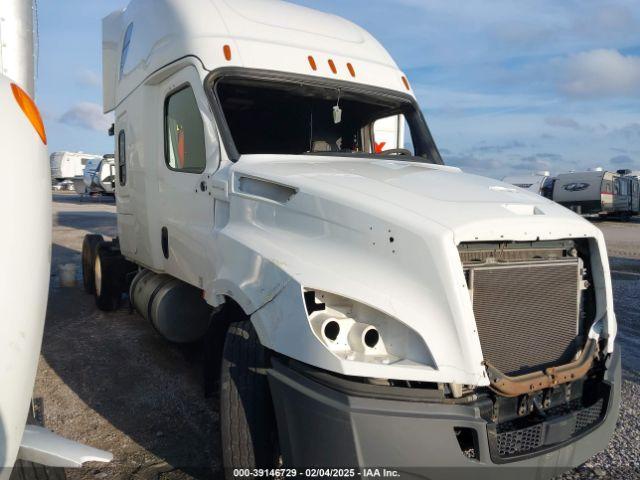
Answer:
(312, 62)
(30, 110)
(406, 83)
(351, 70)
(227, 52)
(332, 66)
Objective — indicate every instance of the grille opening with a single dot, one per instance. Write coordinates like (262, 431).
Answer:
(529, 309)
(468, 441)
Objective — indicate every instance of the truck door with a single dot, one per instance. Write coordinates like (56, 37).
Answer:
(187, 161)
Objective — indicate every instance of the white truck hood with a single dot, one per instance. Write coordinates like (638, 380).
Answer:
(382, 233)
(471, 206)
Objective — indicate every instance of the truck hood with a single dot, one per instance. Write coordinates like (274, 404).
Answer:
(379, 232)
(471, 206)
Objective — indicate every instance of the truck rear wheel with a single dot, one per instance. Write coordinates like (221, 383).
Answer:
(107, 287)
(247, 420)
(24, 470)
(89, 246)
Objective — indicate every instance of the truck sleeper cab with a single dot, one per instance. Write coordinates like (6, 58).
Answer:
(360, 313)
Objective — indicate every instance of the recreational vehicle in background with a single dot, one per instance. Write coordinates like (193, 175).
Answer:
(69, 165)
(362, 305)
(633, 188)
(598, 192)
(99, 175)
(540, 183)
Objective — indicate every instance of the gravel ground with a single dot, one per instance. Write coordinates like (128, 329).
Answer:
(110, 381)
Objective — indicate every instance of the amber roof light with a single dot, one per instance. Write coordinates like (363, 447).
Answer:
(312, 62)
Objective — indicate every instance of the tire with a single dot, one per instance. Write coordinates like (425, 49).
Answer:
(247, 421)
(107, 279)
(89, 246)
(24, 470)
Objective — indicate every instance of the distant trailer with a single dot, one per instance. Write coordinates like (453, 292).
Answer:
(99, 175)
(597, 192)
(541, 183)
(67, 165)
(633, 187)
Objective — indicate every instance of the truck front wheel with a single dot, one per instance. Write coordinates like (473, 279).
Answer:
(247, 421)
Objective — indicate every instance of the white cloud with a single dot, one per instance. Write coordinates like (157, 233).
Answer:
(86, 115)
(600, 73)
(564, 122)
(623, 161)
(88, 78)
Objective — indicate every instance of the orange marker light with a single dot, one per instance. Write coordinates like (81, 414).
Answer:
(351, 70)
(227, 52)
(332, 66)
(312, 62)
(30, 110)
(406, 83)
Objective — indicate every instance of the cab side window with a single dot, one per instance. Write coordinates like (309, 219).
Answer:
(122, 158)
(184, 133)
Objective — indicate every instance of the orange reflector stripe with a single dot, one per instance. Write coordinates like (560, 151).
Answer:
(227, 52)
(406, 83)
(30, 110)
(351, 70)
(332, 66)
(312, 62)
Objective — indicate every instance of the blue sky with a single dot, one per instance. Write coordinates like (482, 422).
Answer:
(507, 86)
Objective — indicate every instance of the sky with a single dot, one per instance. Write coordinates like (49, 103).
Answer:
(507, 87)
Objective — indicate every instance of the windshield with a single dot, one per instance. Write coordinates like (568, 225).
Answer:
(296, 118)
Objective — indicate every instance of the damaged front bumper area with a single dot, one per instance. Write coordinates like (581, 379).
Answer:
(336, 421)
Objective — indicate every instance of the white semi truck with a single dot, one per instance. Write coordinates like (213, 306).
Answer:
(371, 306)
(26, 451)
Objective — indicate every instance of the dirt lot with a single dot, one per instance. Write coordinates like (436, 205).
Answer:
(110, 381)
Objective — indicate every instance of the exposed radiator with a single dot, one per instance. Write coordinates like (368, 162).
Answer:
(527, 313)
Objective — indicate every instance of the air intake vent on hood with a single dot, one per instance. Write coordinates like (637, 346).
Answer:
(257, 187)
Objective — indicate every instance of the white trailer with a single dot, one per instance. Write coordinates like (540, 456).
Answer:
(69, 165)
(541, 183)
(99, 175)
(363, 306)
(598, 192)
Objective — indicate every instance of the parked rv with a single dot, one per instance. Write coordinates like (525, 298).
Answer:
(99, 175)
(540, 183)
(69, 165)
(598, 192)
(633, 188)
(362, 305)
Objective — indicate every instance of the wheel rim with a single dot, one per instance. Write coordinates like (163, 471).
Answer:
(97, 269)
